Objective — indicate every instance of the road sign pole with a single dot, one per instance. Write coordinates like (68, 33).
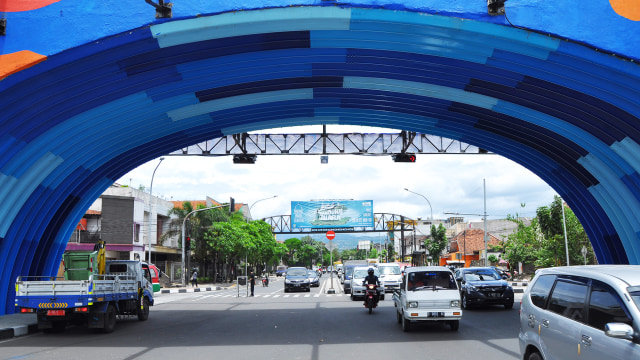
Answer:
(331, 235)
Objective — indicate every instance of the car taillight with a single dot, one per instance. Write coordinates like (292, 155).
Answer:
(25, 310)
(81, 309)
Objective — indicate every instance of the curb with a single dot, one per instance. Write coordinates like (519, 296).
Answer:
(191, 290)
(17, 331)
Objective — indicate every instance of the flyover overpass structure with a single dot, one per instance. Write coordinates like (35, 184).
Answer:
(326, 143)
(90, 90)
(383, 222)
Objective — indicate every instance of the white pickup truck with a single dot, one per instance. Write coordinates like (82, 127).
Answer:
(428, 294)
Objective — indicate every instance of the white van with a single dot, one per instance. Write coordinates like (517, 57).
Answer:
(428, 294)
(390, 276)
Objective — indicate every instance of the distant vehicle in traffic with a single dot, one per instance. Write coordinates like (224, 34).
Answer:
(296, 279)
(281, 270)
(357, 288)
(483, 286)
(390, 276)
(346, 278)
(313, 278)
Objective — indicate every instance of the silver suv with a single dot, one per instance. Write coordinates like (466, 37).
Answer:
(582, 312)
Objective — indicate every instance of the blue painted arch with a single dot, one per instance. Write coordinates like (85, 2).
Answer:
(565, 111)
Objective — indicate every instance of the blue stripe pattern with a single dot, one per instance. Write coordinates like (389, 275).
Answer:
(566, 112)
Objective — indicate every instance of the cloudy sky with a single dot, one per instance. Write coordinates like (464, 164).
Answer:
(451, 183)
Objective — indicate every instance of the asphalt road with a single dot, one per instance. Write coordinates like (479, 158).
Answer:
(275, 325)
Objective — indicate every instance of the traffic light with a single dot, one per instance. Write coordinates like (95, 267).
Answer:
(232, 205)
(404, 157)
(244, 159)
(187, 243)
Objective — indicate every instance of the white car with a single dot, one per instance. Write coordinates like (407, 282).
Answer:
(428, 294)
(390, 276)
(357, 289)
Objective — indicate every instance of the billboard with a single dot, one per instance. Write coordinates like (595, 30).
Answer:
(331, 214)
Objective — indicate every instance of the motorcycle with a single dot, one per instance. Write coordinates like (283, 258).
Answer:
(371, 297)
(265, 281)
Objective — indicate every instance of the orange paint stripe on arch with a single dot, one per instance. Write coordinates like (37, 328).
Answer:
(18, 61)
(629, 9)
(23, 5)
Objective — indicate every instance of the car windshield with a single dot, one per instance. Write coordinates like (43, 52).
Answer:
(482, 275)
(389, 270)
(362, 273)
(436, 280)
(311, 273)
(297, 272)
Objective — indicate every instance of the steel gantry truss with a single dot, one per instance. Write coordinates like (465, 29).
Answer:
(383, 222)
(324, 143)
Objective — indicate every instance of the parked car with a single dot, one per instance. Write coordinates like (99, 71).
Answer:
(346, 282)
(357, 289)
(390, 276)
(313, 278)
(581, 312)
(483, 286)
(428, 294)
(296, 279)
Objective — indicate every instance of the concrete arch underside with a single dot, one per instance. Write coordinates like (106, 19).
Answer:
(566, 112)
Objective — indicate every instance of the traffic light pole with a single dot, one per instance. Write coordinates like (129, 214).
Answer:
(184, 273)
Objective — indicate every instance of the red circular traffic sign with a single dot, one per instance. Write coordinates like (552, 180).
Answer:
(331, 235)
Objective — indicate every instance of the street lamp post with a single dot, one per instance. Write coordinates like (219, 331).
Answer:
(151, 215)
(430, 208)
(257, 201)
(183, 234)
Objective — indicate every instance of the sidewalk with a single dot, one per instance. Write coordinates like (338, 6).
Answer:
(15, 325)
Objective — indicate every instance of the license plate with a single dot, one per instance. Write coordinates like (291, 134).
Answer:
(297, 285)
(55, 312)
(495, 295)
(436, 314)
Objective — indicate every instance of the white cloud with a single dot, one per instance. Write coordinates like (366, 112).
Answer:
(451, 183)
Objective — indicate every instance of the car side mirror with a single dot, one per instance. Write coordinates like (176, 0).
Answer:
(504, 277)
(619, 331)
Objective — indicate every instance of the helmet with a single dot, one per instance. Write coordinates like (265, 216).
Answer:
(370, 271)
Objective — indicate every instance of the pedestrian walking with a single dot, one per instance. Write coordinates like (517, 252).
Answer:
(252, 281)
(194, 278)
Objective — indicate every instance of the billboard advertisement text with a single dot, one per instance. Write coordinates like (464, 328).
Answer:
(331, 214)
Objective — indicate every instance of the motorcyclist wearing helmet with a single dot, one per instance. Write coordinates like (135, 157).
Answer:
(371, 278)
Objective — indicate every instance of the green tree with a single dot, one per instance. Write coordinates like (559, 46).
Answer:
(523, 244)
(553, 250)
(438, 242)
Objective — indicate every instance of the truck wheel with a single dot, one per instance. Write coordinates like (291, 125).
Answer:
(454, 324)
(143, 313)
(406, 324)
(109, 319)
(398, 317)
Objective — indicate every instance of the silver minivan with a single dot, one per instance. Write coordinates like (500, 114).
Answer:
(582, 312)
